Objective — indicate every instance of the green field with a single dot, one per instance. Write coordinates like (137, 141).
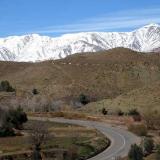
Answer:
(63, 136)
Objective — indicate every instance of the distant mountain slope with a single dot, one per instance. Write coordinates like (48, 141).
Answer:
(38, 48)
(100, 75)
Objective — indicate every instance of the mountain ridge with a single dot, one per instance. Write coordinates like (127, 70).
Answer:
(34, 47)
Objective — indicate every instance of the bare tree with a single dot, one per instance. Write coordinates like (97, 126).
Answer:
(39, 135)
(37, 104)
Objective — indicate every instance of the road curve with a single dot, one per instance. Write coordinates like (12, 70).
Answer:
(121, 140)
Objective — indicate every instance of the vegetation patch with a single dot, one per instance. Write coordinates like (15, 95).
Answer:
(10, 120)
(6, 87)
(79, 141)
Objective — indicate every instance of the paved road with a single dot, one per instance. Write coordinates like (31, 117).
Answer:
(121, 140)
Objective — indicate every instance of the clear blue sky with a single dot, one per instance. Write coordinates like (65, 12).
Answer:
(57, 17)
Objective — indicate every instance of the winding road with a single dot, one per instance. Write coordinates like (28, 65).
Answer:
(121, 140)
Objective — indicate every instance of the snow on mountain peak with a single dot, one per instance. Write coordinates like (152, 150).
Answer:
(34, 47)
(152, 25)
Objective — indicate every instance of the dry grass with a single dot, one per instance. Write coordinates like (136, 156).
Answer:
(122, 121)
(67, 115)
(144, 99)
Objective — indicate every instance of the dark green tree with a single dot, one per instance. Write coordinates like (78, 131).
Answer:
(83, 99)
(5, 127)
(16, 117)
(135, 153)
(148, 145)
(35, 91)
(119, 112)
(10, 119)
(104, 111)
(5, 86)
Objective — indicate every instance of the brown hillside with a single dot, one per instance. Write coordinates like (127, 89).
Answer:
(100, 75)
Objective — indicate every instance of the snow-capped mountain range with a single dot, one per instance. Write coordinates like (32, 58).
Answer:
(34, 47)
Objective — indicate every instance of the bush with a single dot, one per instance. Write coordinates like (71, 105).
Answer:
(135, 153)
(13, 118)
(35, 91)
(138, 129)
(148, 146)
(5, 127)
(16, 117)
(83, 99)
(5, 86)
(104, 111)
(119, 112)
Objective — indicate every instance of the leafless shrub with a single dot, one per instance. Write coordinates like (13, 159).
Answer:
(38, 136)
